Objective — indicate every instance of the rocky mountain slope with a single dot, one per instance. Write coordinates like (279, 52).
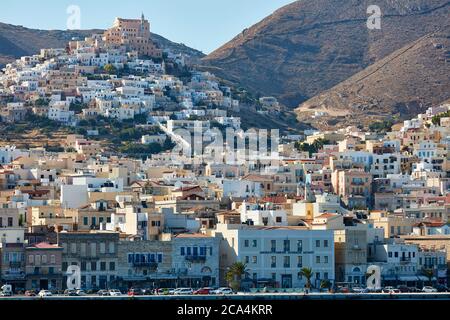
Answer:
(308, 46)
(399, 86)
(17, 41)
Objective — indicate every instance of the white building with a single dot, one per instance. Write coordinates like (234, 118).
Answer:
(266, 214)
(278, 253)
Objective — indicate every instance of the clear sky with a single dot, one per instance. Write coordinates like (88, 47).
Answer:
(202, 24)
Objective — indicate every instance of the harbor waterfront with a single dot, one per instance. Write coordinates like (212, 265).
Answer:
(254, 296)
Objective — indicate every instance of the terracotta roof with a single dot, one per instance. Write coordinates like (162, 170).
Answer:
(327, 215)
(191, 235)
(255, 177)
(44, 245)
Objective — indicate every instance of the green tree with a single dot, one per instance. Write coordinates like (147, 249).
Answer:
(307, 273)
(429, 273)
(325, 284)
(235, 273)
(110, 69)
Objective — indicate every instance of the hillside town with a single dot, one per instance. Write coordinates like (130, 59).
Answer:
(315, 211)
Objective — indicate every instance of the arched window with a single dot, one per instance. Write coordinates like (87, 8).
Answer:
(206, 270)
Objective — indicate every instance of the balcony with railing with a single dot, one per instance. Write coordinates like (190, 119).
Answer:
(148, 264)
(196, 258)
(405, 260)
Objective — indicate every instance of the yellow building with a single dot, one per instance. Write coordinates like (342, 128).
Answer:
(133, 33)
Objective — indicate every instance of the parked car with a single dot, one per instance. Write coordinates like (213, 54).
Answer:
(442, 288)
(390, 290)
(147, 292)
(224, 290)
(45, 293)
(342, 290)
(403, 289)
(183, 291)
(414, 289)
(206, 290)
(115, 292)
(81, 292)
(359, 290)
(429, 289)
(102, 292)
(70, 292)
(135, 292)
(30, 293)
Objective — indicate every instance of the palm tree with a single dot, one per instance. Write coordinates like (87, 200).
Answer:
(325, 284)
(429, 273)
(235, 273)
(307, 273)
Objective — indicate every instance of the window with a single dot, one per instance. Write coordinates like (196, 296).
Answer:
(325, 259)
(112, 247)
(278, 219)
(85, 221)
(246, 243)
(317, 243)
(102, 247)
(390, 254)
(73, 248)
(286, 245)
(255, 243)
(83, 266)
(287, 261)
(102, 266)
(93, 266)
(273, 262)
(44, 259)
(299, 246)
(273, 245)
(10, 221)
(318, 275)
(30, 259)
(299, 261)
(83, 249)
(325, 243)
(396, 254)
(254, 259)
(93, 249)
(247, 259)
(325, 275)
(112, 266)
(182, 251)
(317, 259)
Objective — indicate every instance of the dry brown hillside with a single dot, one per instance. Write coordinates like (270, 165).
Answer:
(17, 41)
(309, 46)
(398, 87)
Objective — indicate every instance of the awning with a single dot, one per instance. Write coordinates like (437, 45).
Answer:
(408, 278)
(423, 278)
